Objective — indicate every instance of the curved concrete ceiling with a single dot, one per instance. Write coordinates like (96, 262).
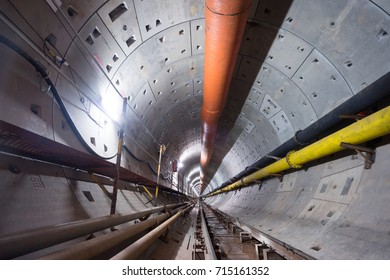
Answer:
(298, 60)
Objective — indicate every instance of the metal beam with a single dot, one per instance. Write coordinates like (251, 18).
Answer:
(118, 158)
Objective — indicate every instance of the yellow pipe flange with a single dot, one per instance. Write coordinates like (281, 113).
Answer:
(290, 163)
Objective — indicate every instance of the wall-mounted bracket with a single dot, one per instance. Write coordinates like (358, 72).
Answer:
(367, 153)
(273, 157)
(280, 176)
(350, 117)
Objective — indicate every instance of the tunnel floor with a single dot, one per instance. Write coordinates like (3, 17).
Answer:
(186, 240)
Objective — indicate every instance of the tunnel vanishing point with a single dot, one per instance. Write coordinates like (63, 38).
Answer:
(190, 129)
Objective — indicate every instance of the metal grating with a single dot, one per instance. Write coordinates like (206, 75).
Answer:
(21, 142)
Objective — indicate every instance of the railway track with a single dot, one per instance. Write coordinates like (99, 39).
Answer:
(217, 237)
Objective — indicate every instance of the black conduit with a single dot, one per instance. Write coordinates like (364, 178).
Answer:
(143, 161)
(42, 70)
(366, 98)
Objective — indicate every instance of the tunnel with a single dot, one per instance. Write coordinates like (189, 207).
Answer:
(191, 129)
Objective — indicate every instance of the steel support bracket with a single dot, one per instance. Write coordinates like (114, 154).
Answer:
(350, 117)
(273, 157)
(367, 153)
(280, 176)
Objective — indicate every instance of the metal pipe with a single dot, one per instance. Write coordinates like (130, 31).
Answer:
(93, 247)
(371, 127)
(118, 158)
(18, 244)
(367, 97)
(225, 25)
(158, 172)
(138, 247)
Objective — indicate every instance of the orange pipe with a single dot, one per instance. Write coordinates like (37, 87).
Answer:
(225, 26)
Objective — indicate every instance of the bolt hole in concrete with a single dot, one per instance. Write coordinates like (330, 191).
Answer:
(348, 63)
(118, 11)
(89, 40)
(89, 196)
(131, 41)
(72, 11)
(14, 169)
(382, 34)
(36, 109)
(96, 32)
(316, 248)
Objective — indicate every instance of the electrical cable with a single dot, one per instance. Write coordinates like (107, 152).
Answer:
(45, 75)
(144, 161)
(53, 61)
(98, 65)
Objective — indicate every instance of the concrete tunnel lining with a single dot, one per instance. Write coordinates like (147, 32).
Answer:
(297, 62)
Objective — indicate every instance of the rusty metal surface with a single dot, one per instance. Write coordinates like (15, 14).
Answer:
(24, 143)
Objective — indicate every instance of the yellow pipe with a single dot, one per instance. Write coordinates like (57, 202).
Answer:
(158, 171)
(100, 185)
(371, 127)
(148, 192)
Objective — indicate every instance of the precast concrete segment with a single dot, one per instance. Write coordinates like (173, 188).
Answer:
(225, 25)
(371, 127)
(18, 244)
(136, 249)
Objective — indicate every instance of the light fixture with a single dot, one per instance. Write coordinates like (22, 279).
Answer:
(112, 105)
(180, 165)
